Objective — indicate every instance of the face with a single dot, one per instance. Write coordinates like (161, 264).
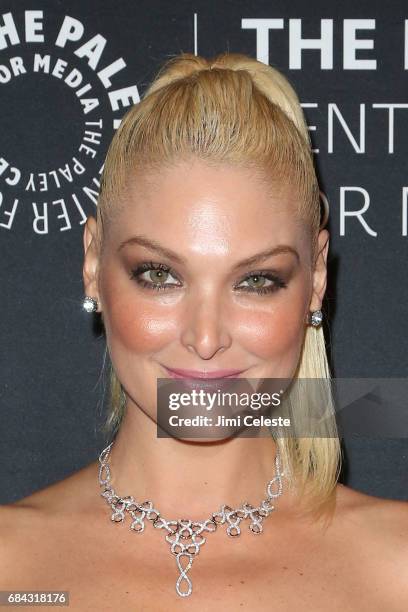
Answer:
(175, 288)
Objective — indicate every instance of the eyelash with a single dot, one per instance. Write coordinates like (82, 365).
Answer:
(145, 267)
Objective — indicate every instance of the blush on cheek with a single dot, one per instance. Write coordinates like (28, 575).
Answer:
(138, 327)
(275, 336)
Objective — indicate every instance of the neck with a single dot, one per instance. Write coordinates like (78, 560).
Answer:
(189, 479)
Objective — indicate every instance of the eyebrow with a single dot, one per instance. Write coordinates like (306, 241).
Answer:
(153, 245)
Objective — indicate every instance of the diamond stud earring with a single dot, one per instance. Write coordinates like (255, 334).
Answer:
(316, 317)
(90, 304)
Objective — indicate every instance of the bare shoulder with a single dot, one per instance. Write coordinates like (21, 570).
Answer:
(375, 512)
(30, 518)
(65, 494)
(378, 527)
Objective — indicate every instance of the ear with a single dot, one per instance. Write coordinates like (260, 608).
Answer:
(91, 260)
(320, 271)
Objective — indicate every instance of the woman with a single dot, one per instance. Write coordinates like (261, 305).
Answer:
(208, 259)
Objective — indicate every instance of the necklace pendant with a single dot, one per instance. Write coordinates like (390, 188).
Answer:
(183, 578)
(186, 540)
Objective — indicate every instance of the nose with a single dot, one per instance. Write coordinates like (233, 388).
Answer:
(205, 330)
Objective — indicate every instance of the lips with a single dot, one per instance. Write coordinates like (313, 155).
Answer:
(182, 373)
(198, 379)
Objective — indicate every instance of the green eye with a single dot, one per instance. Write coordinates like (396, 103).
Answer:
(158, 276)
(256, 281)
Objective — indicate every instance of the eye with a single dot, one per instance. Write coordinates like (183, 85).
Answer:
(156, 275)
(262, 282)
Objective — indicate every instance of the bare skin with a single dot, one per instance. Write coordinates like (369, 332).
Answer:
(62, 538)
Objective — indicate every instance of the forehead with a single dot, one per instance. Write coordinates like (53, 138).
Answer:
(210, 206)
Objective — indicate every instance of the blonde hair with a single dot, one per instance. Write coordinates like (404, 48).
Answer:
(235, 110)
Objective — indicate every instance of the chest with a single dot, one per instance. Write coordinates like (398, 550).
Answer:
(110, 570)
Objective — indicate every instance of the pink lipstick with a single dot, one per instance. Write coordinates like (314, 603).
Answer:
(211, 380)
(182, 373)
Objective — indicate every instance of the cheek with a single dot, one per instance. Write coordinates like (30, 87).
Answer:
(276, 332)
(138, 326)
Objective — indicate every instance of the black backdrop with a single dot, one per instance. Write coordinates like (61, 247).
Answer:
(68, 72)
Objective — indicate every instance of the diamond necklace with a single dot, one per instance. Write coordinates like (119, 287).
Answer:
(184, 529)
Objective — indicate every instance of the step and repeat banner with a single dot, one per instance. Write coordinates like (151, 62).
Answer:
(68, 73)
